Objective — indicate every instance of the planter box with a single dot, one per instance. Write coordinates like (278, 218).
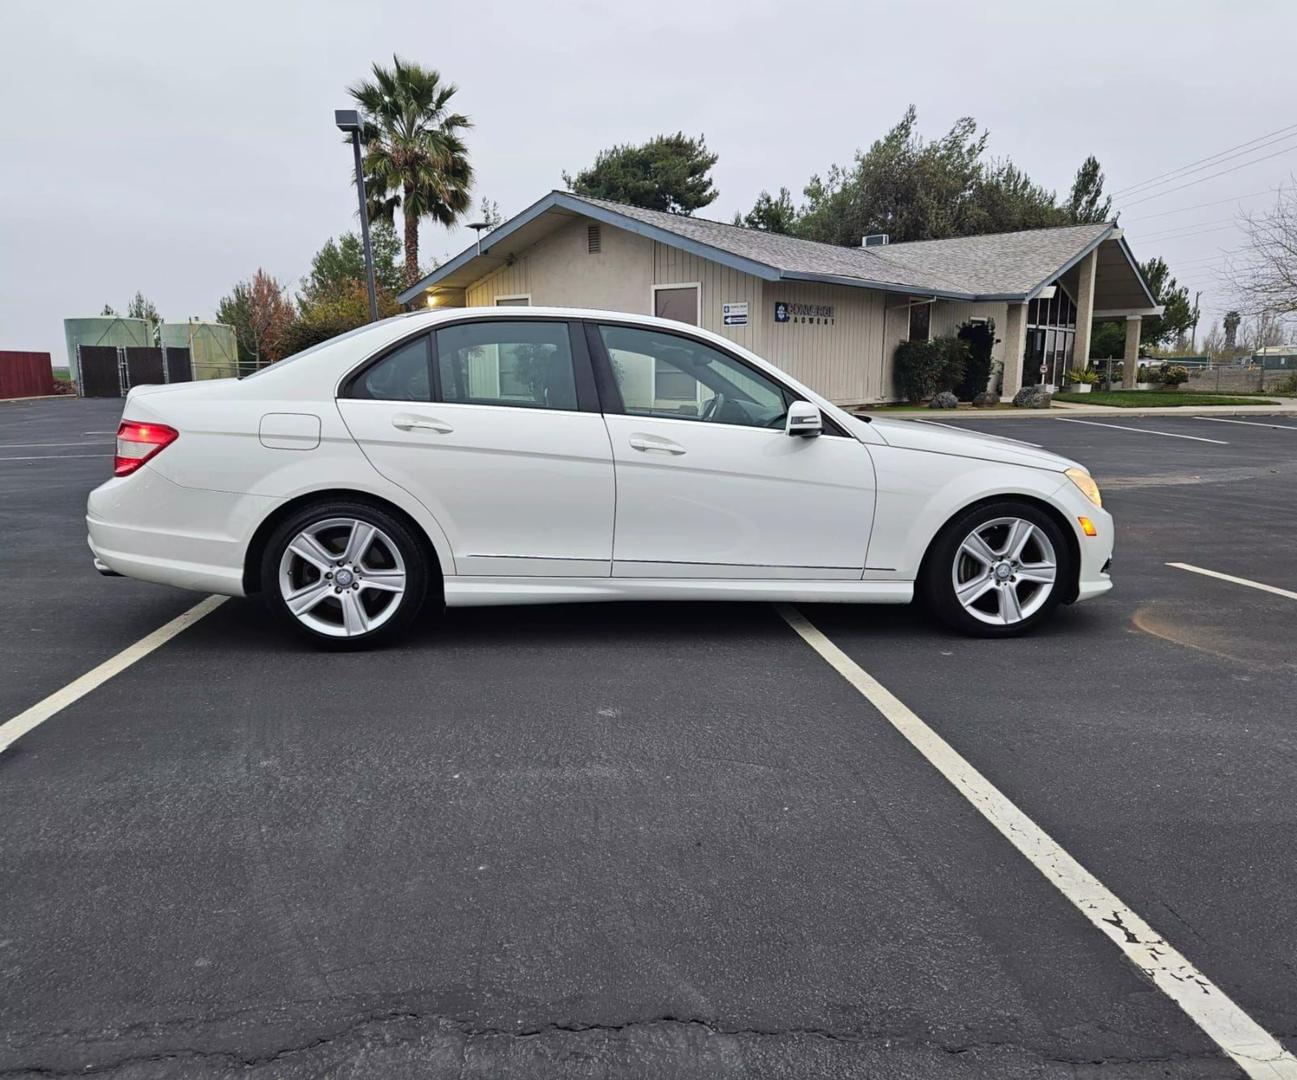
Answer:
(1145, 385)
(1078, 387)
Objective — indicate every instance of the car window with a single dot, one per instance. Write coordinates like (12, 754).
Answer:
(401, 375)
(526, 364)
(666, 375)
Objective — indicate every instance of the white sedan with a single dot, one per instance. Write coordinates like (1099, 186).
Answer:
(507, 456)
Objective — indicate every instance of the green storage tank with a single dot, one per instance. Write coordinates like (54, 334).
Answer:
(104, 330)
(212, 346)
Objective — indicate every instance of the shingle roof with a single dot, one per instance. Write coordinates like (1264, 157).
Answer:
(995, 266)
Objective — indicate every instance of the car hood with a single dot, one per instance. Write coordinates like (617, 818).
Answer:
(934, 438)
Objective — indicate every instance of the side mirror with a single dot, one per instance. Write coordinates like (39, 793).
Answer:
(803, 419)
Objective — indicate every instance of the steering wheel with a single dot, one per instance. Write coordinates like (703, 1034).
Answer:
(713, 407)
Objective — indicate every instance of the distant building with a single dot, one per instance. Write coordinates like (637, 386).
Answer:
(1276, 358)
(831, 316)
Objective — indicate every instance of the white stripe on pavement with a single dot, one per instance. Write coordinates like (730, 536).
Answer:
(25, 721)
(18, 445)
(1236, 580)
(1142, 431)
(1255, 1051)
(1248, 423)
(54, 457)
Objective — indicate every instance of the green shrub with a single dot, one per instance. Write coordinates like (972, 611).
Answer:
(980, 338)
(925, 368)
(1082, 375)
(1172, 374)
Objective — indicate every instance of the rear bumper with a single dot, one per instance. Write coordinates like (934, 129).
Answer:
(144, 526)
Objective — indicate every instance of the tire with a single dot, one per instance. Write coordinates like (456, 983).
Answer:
(989, 589)
(346, 575)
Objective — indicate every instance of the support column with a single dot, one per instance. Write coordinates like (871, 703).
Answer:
(1015, 346)
(1130, 363)
(1084, 310)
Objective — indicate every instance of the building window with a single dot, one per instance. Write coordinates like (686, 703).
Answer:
(1051, 337)
(678, 302)
(920, 320)
(519, 300)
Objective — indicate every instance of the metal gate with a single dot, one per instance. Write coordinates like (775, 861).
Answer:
(143, 366)
(178, 364)
(99, 372)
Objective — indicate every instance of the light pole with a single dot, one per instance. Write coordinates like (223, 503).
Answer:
(477, 227)
(348, 120)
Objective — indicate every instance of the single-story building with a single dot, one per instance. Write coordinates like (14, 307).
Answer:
(831, 316)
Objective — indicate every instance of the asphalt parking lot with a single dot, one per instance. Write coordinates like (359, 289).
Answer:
(646, 840)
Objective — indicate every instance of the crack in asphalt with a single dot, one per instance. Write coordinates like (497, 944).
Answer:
(472, 1033)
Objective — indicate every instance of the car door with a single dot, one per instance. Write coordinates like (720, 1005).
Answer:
(494, 425)
(708, 483)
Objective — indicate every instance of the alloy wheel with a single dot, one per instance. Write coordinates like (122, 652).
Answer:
(1004, 571)
(342, 577)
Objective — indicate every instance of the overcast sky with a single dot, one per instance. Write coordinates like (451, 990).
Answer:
(175, 148)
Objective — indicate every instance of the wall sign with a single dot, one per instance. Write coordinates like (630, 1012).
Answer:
(735, 314)
(818, 314)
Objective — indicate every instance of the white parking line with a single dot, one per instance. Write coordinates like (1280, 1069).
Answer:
(1142, 431)
(18, 445)
(1247, 423)
(25, 721)
(1255, 1051)
(53, 457)
(1236, 580)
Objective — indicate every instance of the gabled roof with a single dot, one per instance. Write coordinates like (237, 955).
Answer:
(999, 266)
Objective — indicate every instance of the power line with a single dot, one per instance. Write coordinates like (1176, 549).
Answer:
(1212, 176)
(1211, 158)
(1199, 206)
(1190, 230)
(1181, 174)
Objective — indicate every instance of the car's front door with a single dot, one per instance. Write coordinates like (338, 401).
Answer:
(493, 424)
(708, 483)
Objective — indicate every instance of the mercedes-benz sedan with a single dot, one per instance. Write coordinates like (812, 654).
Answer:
(507, 456)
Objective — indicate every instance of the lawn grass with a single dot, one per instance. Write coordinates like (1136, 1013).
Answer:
(902, 407)
(62, 373)
(1145, 399)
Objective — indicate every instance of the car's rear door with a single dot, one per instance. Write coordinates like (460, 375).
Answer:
(494, 425)
(708, 483)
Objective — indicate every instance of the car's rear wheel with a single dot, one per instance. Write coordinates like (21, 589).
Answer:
(346, 575)
(997, 570)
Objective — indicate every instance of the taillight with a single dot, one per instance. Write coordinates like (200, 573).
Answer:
(137, 442)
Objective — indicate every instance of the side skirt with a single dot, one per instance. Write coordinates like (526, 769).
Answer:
(476, 591)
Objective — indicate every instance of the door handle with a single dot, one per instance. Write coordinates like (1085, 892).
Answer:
(650, 443)
(409, 422)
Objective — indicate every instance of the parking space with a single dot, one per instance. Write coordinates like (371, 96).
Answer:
(650, 839)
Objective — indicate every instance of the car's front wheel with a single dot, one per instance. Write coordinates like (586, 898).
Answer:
(997, 570)
(345, 574)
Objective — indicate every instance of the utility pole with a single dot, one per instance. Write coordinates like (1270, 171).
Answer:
(348, 120)
(1193, 332)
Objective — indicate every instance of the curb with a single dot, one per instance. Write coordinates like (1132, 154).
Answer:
(1082, 410)
(40, 397)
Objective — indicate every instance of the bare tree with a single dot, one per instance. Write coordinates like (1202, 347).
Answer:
(1265, 274)
(1262, 331)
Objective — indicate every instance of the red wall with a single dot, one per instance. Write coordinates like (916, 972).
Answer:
(25, 374)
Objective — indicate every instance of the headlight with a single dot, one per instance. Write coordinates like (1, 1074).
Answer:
(1085, 482)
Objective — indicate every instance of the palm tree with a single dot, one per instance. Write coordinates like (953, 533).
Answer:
(414, 156)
